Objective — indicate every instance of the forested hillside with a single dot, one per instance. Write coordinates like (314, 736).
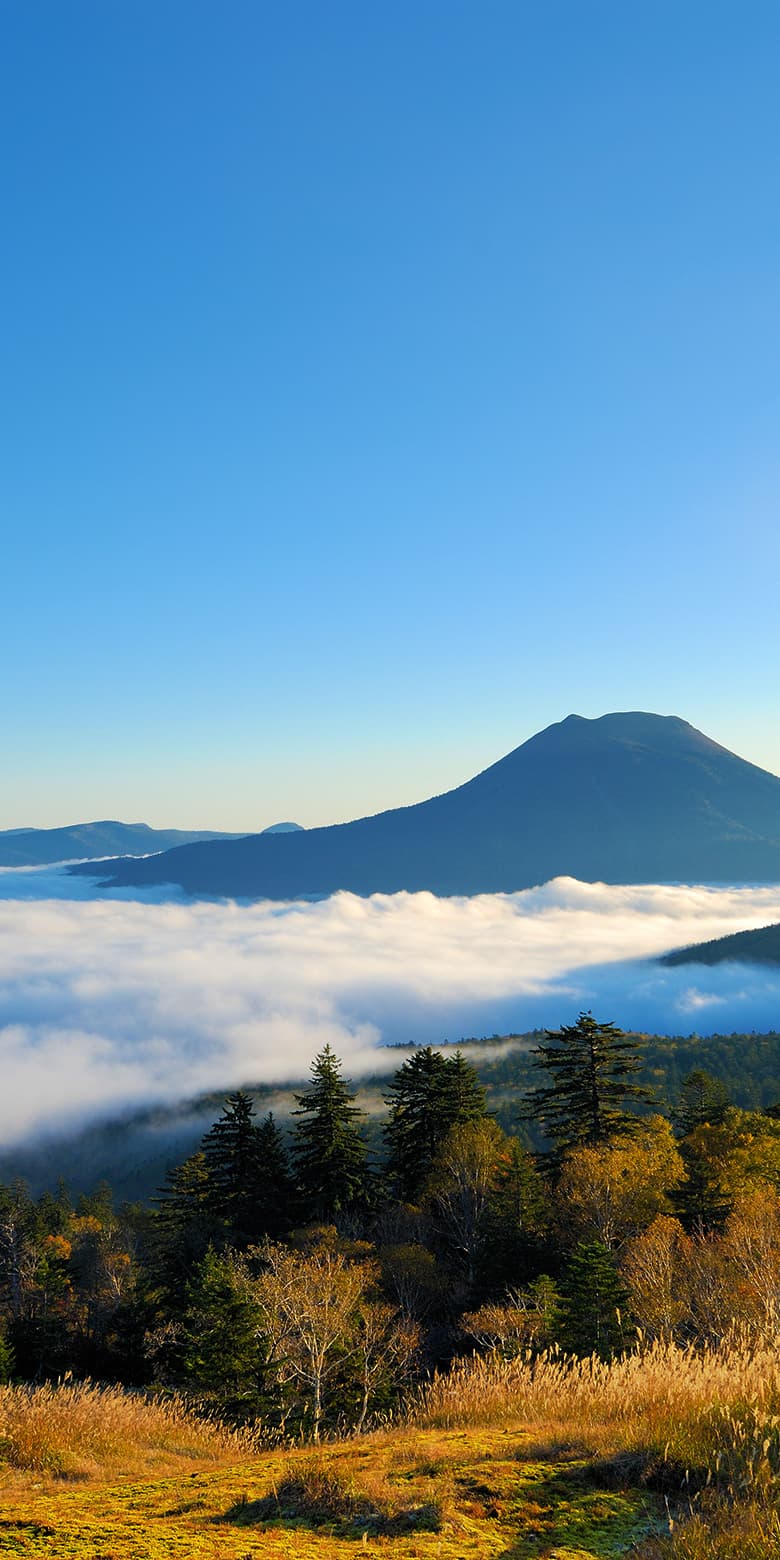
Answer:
(448, 1233)
(757, 946)
(134, 1152)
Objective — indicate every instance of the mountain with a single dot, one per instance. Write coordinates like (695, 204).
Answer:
(758, 946)
(627, 798)
(283, 828)
(85, 841)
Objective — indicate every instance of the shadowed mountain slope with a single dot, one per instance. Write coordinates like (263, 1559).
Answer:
(758, 946)
(628, 798)
(44, 847)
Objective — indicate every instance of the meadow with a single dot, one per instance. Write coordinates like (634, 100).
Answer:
(665, 1454)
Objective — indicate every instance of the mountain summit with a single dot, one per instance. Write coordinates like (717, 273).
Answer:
(627, 798)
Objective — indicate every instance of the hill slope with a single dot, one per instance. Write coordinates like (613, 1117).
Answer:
(628, 798)
(86, 841)
(759, 946)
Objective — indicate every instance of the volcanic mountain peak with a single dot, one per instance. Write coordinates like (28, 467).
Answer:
(630, 797)
(578, 733)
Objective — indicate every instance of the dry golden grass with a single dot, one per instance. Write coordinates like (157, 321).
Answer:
(704, 1424)
(720, 1530)
(499, 1457)
(78, 1430)
(706, 1416)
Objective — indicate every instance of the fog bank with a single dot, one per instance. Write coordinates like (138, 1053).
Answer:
(109, 1003)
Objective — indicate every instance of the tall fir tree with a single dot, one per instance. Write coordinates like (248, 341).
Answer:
(428, 1096)
(231, 1150)
(593, 1315)
(701, 1204)
(277, 1211)
(183, 1226)
(220, 1348)
(592, 1067)
(703, 1101)
(329, 1151)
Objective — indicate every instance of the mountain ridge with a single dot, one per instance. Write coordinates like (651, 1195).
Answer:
(105, 837)
(627, 797)
(757, 945)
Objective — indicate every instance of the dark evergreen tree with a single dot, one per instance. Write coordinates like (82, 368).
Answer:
(329, 1151)
(593, 1308)
(699, 1201)
(428, 1096)
(6, 1360)
(703, 1101)
(55, 1209)
(220, 1348)
(231, 1150)
(183, 1227)
(277, 1210)
(591, 1065)
(515, 1241)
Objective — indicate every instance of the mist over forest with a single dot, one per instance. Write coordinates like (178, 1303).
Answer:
(112, 1005)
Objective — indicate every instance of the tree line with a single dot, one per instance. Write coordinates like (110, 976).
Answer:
(284, 1275)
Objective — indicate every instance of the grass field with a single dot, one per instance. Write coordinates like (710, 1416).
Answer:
(522, 1460)
(409, 1495)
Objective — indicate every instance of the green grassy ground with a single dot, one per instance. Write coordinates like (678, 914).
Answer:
(405, 1495)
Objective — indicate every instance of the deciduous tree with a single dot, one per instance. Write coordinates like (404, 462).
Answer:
(610, 1191)
(463, 1177)
(308, 1304)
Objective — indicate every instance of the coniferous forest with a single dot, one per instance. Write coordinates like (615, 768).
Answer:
(305, 1280)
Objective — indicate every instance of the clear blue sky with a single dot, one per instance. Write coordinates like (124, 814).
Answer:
(380, 382)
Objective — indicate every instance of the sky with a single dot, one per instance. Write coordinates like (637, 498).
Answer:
(106, 1006)
(379, 384)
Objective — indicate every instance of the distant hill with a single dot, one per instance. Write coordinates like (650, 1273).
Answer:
(283, 828)
(761, 946)
(85, 841)
(628, 798)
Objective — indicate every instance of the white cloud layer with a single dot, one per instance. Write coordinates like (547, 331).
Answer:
(107, 1003)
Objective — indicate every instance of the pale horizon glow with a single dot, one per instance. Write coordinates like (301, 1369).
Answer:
(388, 784)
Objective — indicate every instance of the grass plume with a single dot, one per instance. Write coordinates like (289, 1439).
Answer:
(80, 1430)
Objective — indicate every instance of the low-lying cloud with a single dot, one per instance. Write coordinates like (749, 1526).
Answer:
(108, 1003)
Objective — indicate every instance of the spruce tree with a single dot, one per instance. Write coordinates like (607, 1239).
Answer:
(591, 1065)
(276, 1211)
(699, 1201)
(517, 1223)
(703, 1101)
(221, 1355)
(593, 1307)
(329, 1151)
(231, 1150)
(428, 1096)
(183, 1227)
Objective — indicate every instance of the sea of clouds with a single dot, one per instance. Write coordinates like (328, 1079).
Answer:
(110, 1002)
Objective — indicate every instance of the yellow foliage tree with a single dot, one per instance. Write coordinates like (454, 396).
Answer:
(612, 1191)
(654, 1267)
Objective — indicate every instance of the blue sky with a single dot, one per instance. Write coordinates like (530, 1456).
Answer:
(380, 383)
